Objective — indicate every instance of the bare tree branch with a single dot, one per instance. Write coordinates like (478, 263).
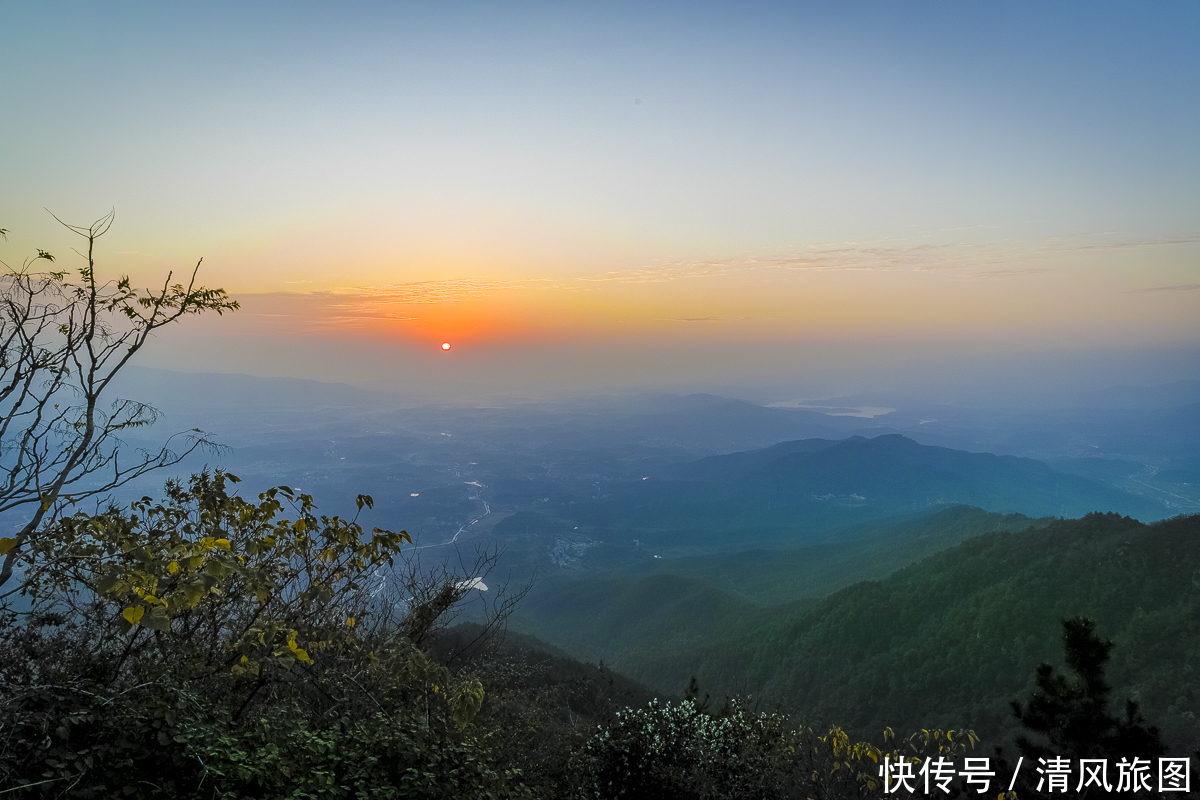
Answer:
(62, 342)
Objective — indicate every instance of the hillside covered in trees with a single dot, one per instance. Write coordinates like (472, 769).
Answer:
(951, 640)
(872, 636)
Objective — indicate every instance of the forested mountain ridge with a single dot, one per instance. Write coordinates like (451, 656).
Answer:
(669, 610)
(951, 640)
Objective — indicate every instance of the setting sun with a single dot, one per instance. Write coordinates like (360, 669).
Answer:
(445, 345)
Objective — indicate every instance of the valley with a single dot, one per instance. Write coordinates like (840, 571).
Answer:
(672, 537)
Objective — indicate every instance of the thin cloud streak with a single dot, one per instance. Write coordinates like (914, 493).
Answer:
(1007, 273)
(984, 260)
(353, 307)
(455, 290)
(1181, 287)
(1117, 246)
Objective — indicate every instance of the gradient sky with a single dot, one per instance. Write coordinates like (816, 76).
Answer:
(774, 199)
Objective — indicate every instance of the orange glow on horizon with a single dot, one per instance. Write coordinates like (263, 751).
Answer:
(766, 306)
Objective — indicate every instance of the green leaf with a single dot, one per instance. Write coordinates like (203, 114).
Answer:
(112, 584)
(190, 597)
(6, 544)
(157, 619)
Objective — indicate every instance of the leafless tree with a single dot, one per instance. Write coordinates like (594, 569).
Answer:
(62, 342)
(420, 599)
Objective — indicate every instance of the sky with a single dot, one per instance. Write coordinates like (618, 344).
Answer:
(770, 200)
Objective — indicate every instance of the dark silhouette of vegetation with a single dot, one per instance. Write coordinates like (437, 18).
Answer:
(1069, 713)
(211, 646)
(62, 342)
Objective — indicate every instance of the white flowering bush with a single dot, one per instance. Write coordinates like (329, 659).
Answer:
(680, 752)
(677, 750)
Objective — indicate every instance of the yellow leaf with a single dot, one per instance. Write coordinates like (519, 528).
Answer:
(302, 655)
(6, 544)
(350, 621)
(173, 567)
(222, 543)
(133, 614)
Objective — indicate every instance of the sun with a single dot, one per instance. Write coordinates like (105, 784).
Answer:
(445, 345)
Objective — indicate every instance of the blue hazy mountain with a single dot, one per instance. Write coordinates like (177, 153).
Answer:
(573, 470)
(893, 471)
(798, 491)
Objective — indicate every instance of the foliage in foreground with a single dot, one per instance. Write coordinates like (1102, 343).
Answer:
(63, 340)
(213, 647)
(679, 750)
(210, 646)
(1069, 713)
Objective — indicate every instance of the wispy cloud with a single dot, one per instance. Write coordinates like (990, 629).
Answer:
(1179, 287)
(360, 306)
(964, 259)
(1007, 273)
(426, 291)
(354, 306)
(923, 257)
(1065, 247)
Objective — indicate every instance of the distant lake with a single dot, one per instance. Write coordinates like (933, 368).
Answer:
(867, 412)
